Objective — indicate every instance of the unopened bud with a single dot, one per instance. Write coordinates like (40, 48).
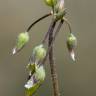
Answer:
(51, 2)
(35, 80)
(39, 52)
(22, 39)
(71, 44)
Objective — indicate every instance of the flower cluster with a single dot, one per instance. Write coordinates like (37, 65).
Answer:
(35, 67)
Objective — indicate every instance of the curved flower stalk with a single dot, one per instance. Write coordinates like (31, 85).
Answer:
(35, 67)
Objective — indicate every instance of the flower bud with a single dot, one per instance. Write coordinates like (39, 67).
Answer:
(71, 44)
(51, 2)
(39, 53)
(35, 80)
(22, 39)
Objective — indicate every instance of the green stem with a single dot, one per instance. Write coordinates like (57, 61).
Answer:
(68, 23)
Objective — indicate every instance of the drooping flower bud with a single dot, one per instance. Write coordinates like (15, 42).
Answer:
(39, 52)
(51, 2)
(71, 44)
(22, 39)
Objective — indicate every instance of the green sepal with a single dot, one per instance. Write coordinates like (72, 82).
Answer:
(31, 67)
(59, 15)
(40, 73)
(39, 52)
(71, 41)
(22, 39)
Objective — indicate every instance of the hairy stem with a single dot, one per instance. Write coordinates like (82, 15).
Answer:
(53, 65)
(53, 68)
(51, 28)
(41, 18)
(55, 35)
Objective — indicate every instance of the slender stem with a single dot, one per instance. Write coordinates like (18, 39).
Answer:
(51, 28)
(68, 23)
(46, 15)
(53, 65)
(46, 35)
(55, 34)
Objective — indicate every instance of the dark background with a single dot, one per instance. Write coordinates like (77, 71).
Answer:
(75, 79)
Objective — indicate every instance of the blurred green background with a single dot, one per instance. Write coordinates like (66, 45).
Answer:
(75, 79)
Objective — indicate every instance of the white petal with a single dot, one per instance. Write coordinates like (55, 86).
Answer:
(29, 84)
(61, 4)
(14, 51)
(72, 54)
